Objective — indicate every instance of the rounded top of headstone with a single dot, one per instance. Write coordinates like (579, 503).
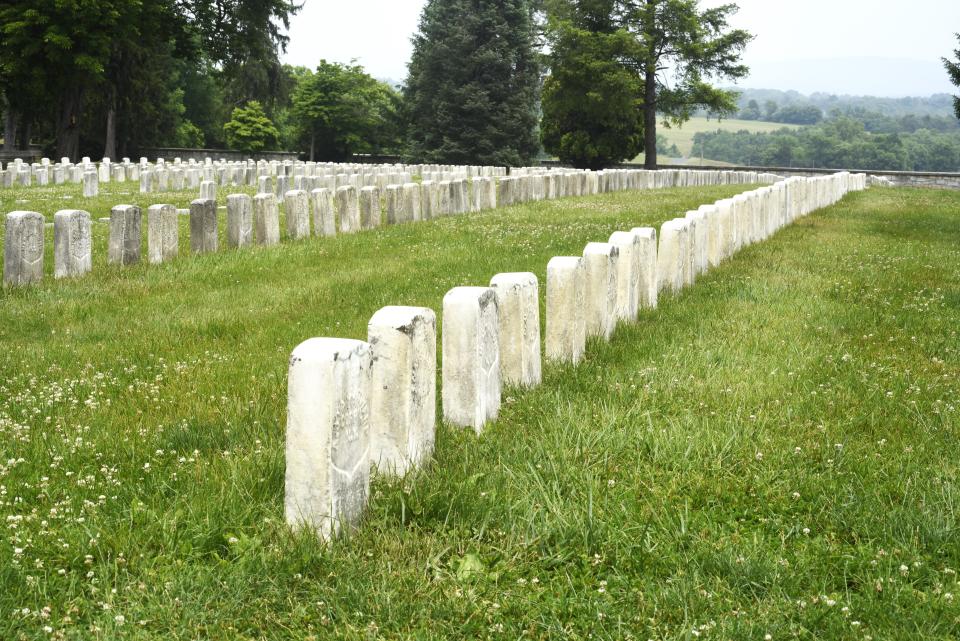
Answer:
(513, 278)
(400, 316)
(564, 261)
(604, 249)
(646, 233)
(325, 350)
(624, 238)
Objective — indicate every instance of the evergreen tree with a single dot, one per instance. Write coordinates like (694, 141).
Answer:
(953, 70)
(473, 85)
(592, 101)
(250, 130)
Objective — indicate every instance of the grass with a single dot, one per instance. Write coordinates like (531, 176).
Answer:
(682, 137)
(772, 452)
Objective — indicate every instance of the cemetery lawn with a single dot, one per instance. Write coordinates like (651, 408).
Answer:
(772, 452)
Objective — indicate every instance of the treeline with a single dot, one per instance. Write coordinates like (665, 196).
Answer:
(935, 105)
(851, 141)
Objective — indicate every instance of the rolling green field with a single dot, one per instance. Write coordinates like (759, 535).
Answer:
(770, 454)
(682, 137)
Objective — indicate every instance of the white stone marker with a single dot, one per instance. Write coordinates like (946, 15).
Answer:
(566, 319)
(601, 261)
(411, 201)
(23, 249)
(471, 357)
(628, 274)
(91, 184)
(203, 226)
(348, 209)
(647, 284)
(239, 220)
(266, 219)
(208, 190)
(296, 207)
(72, 254)
(124, 245)
(324, 217)
(403, 394)
(518, 306)
(369, 207)
(327, 477)
(163, 233)
(669, 260)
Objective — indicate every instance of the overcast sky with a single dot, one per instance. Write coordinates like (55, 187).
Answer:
(838, 46)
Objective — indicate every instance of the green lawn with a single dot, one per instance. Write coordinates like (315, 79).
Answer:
(682, 137)
(772, 452)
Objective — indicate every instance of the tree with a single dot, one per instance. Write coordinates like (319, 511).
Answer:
(249, 129)
(750, 112)
(473, 85)
(340, 110)
(592, 101)
(953, 70)
(697, 46)
(769, 109)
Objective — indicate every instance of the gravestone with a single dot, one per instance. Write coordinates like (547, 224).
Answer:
(410, 195)
(266, 219)
(163, 233)
(428, 200)
(566, 333)
(369, 207)
(669, 259)
(628, 274)
(647, 283)
(203, 226)
(146, 181)
(208, 191)
(601, 263)
(394, 205)
(327, 478)
(518, 307)
(296, 208)
(324, 216)
(348, 209)
(403, 393)
(23, 249)
(471, 357)
(72, 243)
(124, 244)
(239, 220)
(91, 184)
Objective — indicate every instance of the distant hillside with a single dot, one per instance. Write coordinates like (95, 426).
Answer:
(936, 105)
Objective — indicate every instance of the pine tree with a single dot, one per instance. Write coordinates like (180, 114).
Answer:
(953, 70)
(473, 88)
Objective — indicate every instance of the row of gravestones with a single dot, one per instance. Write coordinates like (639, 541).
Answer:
(355, 405)
(256, 221)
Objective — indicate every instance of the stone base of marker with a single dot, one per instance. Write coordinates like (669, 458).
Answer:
(23, 249)
(471, 382)
(72, 243)
(327, 478)
(125, 235)
(266, 219)
(403, 391)
(203, 226)
(163, 233)
(239, 220)
(601, 262)
(566, 333)
(518, 307)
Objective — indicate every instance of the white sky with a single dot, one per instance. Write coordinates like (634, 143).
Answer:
(888, 48)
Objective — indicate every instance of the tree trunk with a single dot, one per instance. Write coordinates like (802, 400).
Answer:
(110, 141)
(313, 141)
(10, 130)
(68, 124)
(26, 132)
(650, 119)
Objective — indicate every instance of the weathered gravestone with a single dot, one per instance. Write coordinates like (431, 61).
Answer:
(266, 219)
(72, 253)
(296, 208)
(124, 244)
(518, 307)
(327, 477)
(163, 233)
(239, 220)
(403, 392)
(566, 314)
(628, 274)
(601, 262)
(203, 226)
(471, 357)
(369, 207)
(23, 249)
(348, 209)
(324, 216)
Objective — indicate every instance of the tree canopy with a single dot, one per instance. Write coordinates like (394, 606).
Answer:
(953, 70)
(592, 100)
(473, 84)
